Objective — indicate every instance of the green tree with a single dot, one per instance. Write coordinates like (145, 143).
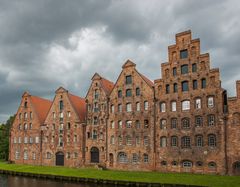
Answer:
(4, 138)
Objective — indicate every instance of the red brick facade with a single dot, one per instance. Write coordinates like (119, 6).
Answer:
(183, 122)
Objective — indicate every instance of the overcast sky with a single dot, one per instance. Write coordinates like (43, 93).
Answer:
(45, 44)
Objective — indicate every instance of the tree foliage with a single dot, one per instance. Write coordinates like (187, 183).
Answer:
(4, 138)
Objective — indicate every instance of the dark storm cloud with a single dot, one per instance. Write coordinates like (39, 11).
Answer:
(50, 43)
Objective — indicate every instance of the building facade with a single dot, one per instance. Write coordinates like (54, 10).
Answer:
(182, 122)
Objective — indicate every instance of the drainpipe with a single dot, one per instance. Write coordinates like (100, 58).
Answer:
(225, 145)
(154, 127)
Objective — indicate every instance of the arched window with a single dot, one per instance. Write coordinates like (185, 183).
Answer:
(163, 141)
(175, 87)
(212, 142)
(212, 165)
(162, 107)
(185, 86)
(25, 115)
(129, 124)
(120, 124)
(119, 140)
(25, 126)
(167, 88)
(194, 67)
(210, 102)
(96, 94)
(186, 105)
(198, 121)
(174, 123)
(186, 142)
(174, 71)
(122, 157)
(174, 141)
(198, 103)
(138, 106)
(185, 123)
(204, 83)
(199, 164)
(94, 134)
(25, 155)
(163, 163)
(112, 141)
(199, 140)
(129, 140)
(129, 107)
(128, 93)
(163, 124)
(187, 164)
(60, 105)
(25, 104)
(211, 120)
(184, 69)
(119, 93)
(145, 105)
(137, 91)
(174, 106)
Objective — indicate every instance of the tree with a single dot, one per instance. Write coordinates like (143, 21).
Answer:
(4, 138)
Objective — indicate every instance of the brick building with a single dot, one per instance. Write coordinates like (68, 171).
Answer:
(182, 122)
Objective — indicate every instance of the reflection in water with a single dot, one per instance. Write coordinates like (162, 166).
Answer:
(15, 181)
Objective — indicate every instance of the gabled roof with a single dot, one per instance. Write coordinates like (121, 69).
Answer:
(41, 107)
(107, 85)
(128, 63)
(148, 81)
(79, 105)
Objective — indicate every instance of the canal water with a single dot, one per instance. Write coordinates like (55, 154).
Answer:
(16, 181)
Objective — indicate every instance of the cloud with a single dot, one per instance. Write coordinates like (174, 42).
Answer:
(46, 44)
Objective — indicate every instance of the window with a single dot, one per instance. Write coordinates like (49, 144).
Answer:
(198, 103)
(204, 83)
(163, 141)
(120, 124)
(137, 140)
(174, 106)
(162, 107)
(30, 126)
(129, 140)
(31, 115)
(138, 106)
(212, 165)
(122, 157)
(198, 121)
(25, 140)
(19, 127)
(187, 164)
(174, 163)
(145, 141)
(60, 141)
(94, 136)
(53, 138)
(112, 125)
(128, 93)
(15, 140)
(199, 164)
(145, 105)
(69, 114)
(185, 86)
(211, 120)
(186, 142)
(134, 158)
(194, 67)
(184, 69)
(75, 155)
(68, 126)
(17, 155)
(185, 123)
(96, 94)
(138, 125)
(112, 108)
(195, 84)
(167, 89)
(25, 104)
(212, 142)
(145, 158)
(119, 140)
(183, 53)
(129, 79)
(129, 124)
(60, 105)
(25, 126)
(174, 141)
(163, 163)
(175, 88)
(68, 155)
(54, 115)
(186, 105)
(174, 123)
(25, 115)
(49, 155)
(30, 140)
(61, 116)
(112, 140)
(199, 140)
(163, 124)
(146, 124)
(37, 139)
(210, 102)
(174, 71)
(95, 107)
(137, 91)
(25, 155)
(129, 107)
(119, 93)
(119, 107)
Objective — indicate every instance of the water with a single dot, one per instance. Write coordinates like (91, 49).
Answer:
(15, 181)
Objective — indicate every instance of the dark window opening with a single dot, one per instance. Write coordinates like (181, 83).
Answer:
(183, 53)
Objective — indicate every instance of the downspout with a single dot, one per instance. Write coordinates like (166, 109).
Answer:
(107, 129)
(154, 127)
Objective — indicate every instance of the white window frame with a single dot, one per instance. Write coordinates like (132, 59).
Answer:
(185, 105)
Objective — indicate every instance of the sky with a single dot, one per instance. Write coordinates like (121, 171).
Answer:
(51, 43)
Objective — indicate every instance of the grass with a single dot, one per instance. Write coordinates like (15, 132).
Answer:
(178, 178)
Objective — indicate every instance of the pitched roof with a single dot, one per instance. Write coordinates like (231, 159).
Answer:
(107, 85)
(148, 81)
(41, 107)
(79, 105)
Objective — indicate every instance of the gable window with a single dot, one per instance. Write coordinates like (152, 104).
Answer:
(204, 83)
(195, 84)
(128, 93)
(96, 94)
(129, 79)
(119, 93)
(25, 104)
(175, 88)
(198, 103)
(129, 107)
(167, 89)
(174, 123)
(174, 71)
(174, 106)
(60, 105)
(145, 105)
(185, 86)
(174, 141)
(210, 102)
(137, 91)
(194, 67)
(25, 115)
(183, 53)
(137, 106)
(163, 107)
(184, 69)
(186, 105)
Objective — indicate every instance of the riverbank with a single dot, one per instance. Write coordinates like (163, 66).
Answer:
(120, 177)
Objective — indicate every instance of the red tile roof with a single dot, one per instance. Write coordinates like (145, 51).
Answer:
(41, 106)
(107, 85)
(79, 105)
(148, 81)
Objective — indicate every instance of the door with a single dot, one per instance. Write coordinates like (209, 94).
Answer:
(59, 159)
(236, 168)
(94, 155)
(111, 160)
